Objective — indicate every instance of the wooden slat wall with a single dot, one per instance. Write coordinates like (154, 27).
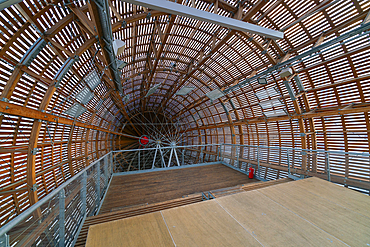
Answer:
(207, 57)
(53, 164)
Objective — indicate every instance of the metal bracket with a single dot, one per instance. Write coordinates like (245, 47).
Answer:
(34, 187)
(4, 240)
(34, 151)
(124, 24)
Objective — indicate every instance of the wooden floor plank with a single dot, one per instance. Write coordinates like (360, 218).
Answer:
(206, 224)
(350, 199)
(272, 224)
(143, 230)
(343, 223)
(153, 187)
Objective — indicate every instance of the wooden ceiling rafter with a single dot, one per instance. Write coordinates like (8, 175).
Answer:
(215, 48)
(324, 106)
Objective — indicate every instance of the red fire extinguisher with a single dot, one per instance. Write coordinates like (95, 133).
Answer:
(251, 172)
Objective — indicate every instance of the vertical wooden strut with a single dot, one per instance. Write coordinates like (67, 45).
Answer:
(32, 148)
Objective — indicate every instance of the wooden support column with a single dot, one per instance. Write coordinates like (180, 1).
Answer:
(31, 153)
(69, 150)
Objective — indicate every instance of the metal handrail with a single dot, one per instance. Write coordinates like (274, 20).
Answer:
(165, 147)
(299, 149)
(254, 146)
(30, 210)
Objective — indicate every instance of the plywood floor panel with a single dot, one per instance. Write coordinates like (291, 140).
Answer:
(272, 224)
(144, 230)
(345, 224)
(350, 199)
(310, 212)
(206, 224)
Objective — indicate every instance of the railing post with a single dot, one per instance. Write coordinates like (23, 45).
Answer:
(258, 162)
(83, 193)
(237, 156)
(288, 161)
(138, 159)
(97, 183)
(183, 157)
(201, 154)
(327, 165)
(61, 218)
(111, 162)
(221, 151)
(4, 240)
(314, 161)
(218, 153)
(106, 175)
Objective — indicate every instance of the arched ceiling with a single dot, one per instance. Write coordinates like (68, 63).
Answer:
(42, 145)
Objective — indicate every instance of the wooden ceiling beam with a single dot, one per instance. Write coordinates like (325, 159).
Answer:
(222, 4)
(134, 18)
(114, 10)
(83, 19)
(164, 38)
(22, 111)
(331, 31)
(316, 113)
(171, 92)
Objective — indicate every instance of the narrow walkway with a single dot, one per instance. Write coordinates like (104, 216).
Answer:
(152, 187)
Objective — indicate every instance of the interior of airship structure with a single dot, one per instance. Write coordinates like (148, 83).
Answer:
(165, 120)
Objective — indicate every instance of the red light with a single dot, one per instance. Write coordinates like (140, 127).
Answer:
(144, 140)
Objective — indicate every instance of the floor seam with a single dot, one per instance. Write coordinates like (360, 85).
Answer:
(238, 222)
(303, 218)
(168, 229)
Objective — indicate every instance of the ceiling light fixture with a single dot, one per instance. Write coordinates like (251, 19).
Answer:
(152, 90)
(286, 72)
(262, 81)
(118, 47)
(185, 90)
(215, 94)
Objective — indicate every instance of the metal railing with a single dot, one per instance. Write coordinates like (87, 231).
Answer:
(57, 218)
(157, 157)
(351, 169)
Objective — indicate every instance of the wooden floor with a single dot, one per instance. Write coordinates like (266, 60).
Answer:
(152, 187)
(309, 212)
